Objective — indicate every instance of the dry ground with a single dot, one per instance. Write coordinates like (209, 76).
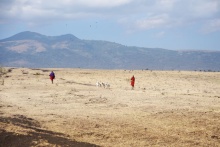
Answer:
(166, 108)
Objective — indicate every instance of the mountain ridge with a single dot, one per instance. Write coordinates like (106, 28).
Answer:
(30, 49)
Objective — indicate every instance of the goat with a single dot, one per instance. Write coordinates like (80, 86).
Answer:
(107, 85)
(98, 84)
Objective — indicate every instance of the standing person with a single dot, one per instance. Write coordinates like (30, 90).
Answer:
(52, 76)
(132, 81)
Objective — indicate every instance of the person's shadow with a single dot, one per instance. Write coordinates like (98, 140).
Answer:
(35, 135)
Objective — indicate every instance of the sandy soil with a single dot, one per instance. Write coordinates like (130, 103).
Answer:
(166, 108)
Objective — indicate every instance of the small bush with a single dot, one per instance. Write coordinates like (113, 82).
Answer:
(37, 74)
(9, 70)
(2, 71)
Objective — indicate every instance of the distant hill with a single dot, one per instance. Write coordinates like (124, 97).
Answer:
(29, 49)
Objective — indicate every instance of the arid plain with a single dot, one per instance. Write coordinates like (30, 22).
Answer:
(166, 108)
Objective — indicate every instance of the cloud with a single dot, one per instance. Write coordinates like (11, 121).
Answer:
(211, 26)
(153, 22)
(102, 3)
(204, 8)
(166, 5)
(160, 34)
(45, 8)
(168, 14)
(135, 15)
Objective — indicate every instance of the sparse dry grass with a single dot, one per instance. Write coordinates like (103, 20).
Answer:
(166, 108)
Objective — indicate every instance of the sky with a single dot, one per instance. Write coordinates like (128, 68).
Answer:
(168, 24)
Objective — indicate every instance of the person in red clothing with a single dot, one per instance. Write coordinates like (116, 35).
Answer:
(132, 81)
(52, 76)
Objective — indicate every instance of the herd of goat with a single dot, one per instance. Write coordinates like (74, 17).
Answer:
(102, 84)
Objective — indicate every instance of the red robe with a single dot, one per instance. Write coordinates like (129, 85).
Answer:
(52, 76)
(132, 81)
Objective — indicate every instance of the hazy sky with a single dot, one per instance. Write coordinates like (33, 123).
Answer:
(169, 24)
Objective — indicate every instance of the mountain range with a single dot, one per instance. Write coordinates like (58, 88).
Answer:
(34, 50)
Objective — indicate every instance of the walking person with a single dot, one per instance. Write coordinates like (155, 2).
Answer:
(132, 82)
(52, 76)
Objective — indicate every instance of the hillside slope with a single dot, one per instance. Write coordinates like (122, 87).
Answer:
(29, 49)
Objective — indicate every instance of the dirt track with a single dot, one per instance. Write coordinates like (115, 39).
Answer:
(166, 108)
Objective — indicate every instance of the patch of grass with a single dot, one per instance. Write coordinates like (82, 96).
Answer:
(3, 71)
(37, 74)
